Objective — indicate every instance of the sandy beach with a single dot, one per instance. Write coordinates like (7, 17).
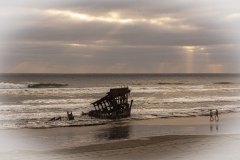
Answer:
(172, 138)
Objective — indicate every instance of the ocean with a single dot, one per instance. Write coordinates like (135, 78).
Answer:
(27, 102)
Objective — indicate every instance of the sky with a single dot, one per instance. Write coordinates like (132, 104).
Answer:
(120, 36)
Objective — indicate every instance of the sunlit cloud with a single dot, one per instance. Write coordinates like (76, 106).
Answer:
(116, 18)
(233, 16)
(78, 45)
(189, 48)
(113, 18)
(197, 49)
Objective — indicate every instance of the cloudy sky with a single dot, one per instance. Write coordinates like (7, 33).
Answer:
(121, 36)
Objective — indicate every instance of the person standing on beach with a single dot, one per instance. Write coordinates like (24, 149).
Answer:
(216, 115)
(211, 115)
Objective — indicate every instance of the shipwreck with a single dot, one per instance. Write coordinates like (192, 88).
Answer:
(113, 105)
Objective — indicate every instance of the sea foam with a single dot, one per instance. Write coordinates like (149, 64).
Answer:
(11, 86)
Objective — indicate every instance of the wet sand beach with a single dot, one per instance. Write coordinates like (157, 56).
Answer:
(172, 138)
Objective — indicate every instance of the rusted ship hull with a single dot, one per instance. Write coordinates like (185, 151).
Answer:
(113, 105)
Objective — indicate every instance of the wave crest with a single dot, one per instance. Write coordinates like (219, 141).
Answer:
(11, 86)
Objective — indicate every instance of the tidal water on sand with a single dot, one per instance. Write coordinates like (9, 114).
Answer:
(31, 100)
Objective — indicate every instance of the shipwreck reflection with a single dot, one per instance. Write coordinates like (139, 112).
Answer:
(115, 133)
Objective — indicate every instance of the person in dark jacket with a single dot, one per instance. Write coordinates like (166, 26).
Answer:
(211, 115)
(216, 115)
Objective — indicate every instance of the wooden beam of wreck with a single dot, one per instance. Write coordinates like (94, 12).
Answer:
(102, 106)
(104, 102)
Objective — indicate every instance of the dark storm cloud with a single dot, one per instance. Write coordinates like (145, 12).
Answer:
(119, 36)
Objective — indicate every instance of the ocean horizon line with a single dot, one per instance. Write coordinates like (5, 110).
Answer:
(123, 73)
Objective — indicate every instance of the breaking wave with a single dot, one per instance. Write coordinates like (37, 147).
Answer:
(44, 123)
(43, 120)
(12, 86)
(37, 85)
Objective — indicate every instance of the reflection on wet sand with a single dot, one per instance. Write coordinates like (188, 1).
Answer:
(115, 133)
(211, 127)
